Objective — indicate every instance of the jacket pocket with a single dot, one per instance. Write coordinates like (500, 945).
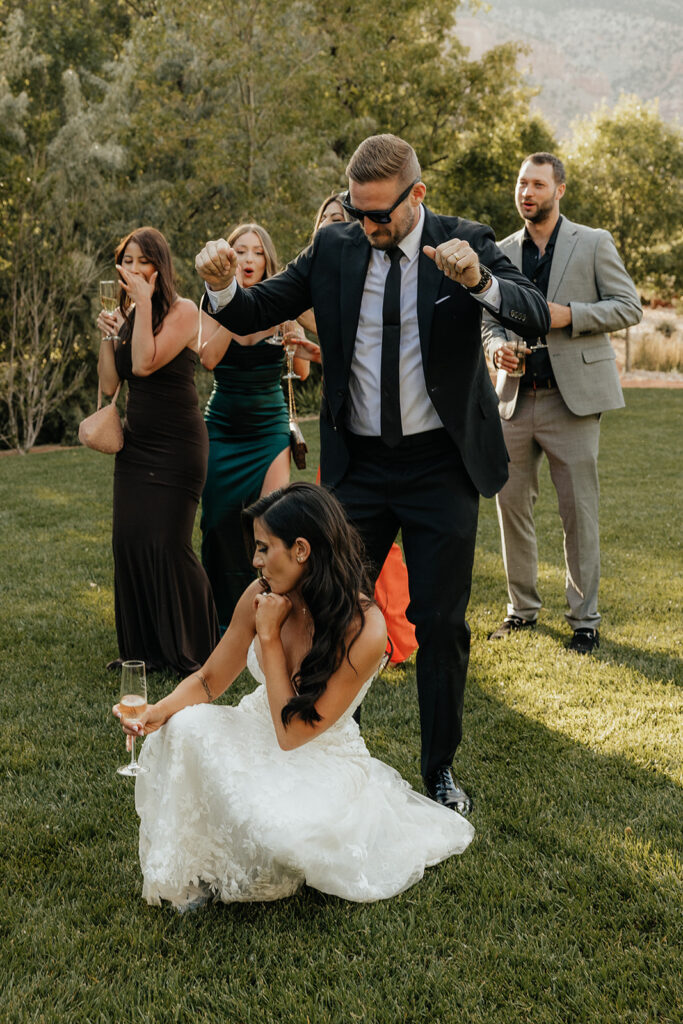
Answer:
(596, 355)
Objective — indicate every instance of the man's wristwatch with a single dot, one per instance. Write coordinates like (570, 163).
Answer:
(484, 280)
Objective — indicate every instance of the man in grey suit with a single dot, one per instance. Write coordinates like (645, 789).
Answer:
(569, 379)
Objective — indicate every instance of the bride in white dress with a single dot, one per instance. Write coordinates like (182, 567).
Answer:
(251, 802)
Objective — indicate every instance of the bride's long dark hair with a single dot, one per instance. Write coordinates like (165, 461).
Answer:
(334, 585)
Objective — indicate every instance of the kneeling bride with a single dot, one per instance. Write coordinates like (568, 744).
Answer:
(251, 802)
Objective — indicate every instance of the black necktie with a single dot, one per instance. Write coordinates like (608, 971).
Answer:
(391, 350)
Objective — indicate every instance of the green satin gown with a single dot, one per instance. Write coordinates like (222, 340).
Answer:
(248, 426)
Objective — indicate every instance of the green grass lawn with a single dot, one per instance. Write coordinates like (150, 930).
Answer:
(567, 906)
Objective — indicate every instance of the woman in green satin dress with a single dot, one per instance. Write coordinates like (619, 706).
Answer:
(248, 426)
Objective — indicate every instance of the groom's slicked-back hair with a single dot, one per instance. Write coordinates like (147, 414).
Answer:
(384, 156)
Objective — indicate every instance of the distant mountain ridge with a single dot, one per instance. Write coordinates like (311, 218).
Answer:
(581, 52)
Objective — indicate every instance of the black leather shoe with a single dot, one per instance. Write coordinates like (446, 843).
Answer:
(584, 641)
(114, 666)
(511, 624)
(441, 787)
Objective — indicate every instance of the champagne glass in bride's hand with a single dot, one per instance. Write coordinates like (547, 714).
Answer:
(132, 704)
(109, 297)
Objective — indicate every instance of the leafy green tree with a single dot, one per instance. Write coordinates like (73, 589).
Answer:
(81, 35)
(251, 109)
(51, 197)
(479, 175)
(625, 173)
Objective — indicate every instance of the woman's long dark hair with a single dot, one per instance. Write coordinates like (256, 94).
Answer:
(334, 584)
(154, 246)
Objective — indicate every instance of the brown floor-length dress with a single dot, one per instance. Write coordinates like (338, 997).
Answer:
(165, 614)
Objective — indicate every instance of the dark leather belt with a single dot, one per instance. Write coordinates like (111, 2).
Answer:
(547, 384)
(414, 445)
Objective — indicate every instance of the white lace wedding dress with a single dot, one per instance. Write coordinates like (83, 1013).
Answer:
(226, 814)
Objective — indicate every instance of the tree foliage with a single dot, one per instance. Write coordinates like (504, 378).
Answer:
(192, 117)
(625, 173)
(52, 187)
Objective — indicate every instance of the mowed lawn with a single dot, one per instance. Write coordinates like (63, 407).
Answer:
(567, 906)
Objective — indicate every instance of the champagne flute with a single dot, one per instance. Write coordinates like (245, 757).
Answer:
(132, 704)
(109, 297)
(275, 339)
(288, 332)
(290, 375)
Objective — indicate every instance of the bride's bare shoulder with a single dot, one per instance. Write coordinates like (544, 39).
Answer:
(373, 635)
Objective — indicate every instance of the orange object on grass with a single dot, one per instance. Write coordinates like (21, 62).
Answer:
(391, 595)
(393, 580)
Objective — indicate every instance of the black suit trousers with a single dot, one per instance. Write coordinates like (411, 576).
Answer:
(422, 488)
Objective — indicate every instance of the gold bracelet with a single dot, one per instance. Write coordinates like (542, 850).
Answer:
(202, 680)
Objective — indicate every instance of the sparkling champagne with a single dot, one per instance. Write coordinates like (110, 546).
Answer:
(132, 704)
(109, 295)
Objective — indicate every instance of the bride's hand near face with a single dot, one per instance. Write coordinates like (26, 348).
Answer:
(271, 612)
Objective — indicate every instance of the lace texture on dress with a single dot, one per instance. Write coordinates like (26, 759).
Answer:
(226, 814)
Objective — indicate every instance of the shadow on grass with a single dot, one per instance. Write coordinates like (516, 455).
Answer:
(652, 662)
(573, 876)
(657, 665)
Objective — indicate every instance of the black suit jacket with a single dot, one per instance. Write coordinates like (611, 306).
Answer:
(330, 275)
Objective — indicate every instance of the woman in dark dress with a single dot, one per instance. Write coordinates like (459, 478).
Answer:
(165, 615)
(248, 425)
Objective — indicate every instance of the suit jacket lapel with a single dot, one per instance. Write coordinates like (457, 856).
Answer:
(429, 280)
(566, 240)
(513, 251)
(355, 257)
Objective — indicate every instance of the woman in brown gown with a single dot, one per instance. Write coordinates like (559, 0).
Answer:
(165, 615)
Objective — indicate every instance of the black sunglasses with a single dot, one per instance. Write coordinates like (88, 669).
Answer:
(378, 216)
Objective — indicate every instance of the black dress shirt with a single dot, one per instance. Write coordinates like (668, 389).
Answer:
(537, 268)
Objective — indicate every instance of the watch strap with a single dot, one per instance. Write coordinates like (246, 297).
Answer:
(483, 282)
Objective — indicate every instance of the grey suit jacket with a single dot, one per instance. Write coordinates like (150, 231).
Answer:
(588, 275)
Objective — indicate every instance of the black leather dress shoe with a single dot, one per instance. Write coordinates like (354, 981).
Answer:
(584, 641)
(441, 787)
(511, 624)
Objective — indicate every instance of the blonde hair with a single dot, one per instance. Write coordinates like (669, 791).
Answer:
(266, 241)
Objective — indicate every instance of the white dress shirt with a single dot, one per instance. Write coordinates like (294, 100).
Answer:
(364, 411)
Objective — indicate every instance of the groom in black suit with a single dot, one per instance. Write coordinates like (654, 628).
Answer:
(409, 426)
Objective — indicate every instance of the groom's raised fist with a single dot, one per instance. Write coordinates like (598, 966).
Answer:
(217, 264)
